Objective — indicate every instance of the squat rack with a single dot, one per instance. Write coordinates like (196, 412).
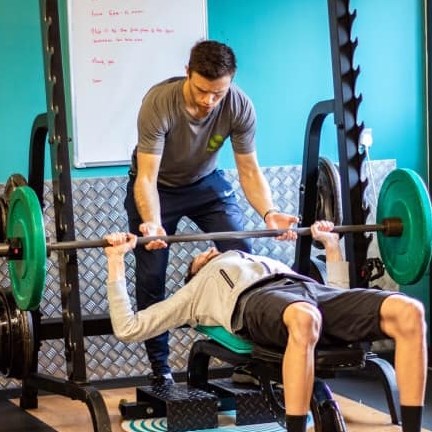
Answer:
(344, 108)
(53, 124)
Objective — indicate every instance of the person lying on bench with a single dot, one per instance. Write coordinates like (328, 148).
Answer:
(263, 300)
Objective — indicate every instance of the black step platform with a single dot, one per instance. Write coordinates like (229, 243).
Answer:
(246, 399)
(186, 408)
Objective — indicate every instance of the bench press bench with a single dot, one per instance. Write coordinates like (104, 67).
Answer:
(266, 365)
(195, 405)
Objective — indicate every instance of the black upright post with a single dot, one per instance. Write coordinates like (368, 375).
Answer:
(54, 123)
(346, 106)
(308, 194)
(62, 189)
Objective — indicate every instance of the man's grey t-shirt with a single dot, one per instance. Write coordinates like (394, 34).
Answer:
(188, 146)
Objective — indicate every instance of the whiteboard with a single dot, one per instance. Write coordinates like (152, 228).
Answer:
(118, 49)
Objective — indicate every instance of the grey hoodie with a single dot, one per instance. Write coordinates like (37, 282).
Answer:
(208, 299)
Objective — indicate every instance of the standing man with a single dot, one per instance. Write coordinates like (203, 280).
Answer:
(182, 124)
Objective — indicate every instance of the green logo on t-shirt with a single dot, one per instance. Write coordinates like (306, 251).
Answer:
(215, 143)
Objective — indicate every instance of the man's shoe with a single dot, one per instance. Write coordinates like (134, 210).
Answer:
(242, 374)
(161, 380)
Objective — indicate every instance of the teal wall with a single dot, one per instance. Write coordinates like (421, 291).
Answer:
(284, 64)
(22, 88)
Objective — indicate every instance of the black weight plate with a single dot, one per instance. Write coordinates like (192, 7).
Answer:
(14, 181)
(3, 219)
(329, 198)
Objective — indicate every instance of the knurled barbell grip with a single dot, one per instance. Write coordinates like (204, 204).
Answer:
(220, 236)
(229, 235)
(390, 227)
(178, 238)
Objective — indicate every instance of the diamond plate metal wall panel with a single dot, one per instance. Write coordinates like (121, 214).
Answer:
(98, 209)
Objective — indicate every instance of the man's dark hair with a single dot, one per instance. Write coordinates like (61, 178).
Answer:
(212, 60)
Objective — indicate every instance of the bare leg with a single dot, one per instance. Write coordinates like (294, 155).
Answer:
(303, 322)
(402, 318)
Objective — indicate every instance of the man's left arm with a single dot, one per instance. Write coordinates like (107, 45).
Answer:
(337, 267)
(258, 193)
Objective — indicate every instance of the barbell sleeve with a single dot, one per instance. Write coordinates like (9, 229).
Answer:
(4, 249)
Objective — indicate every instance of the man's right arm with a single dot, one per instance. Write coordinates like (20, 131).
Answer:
(145, 187)
(147, 197)
(150, 322)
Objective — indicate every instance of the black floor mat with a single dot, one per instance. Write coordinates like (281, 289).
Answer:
(14, 419)
(370, 391)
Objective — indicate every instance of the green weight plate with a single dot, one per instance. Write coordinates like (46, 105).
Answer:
(25, 222)
(404, 195)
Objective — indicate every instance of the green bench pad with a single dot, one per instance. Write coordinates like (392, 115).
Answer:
(228, 340)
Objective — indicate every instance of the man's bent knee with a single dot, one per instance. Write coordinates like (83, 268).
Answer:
(403, 316)
(303, 321)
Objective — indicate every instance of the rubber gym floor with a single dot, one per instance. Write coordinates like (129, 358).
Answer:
(361, 399)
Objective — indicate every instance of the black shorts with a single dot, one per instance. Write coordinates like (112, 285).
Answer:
(348, 315)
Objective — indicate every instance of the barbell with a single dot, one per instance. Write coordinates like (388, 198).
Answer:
(404, 227)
